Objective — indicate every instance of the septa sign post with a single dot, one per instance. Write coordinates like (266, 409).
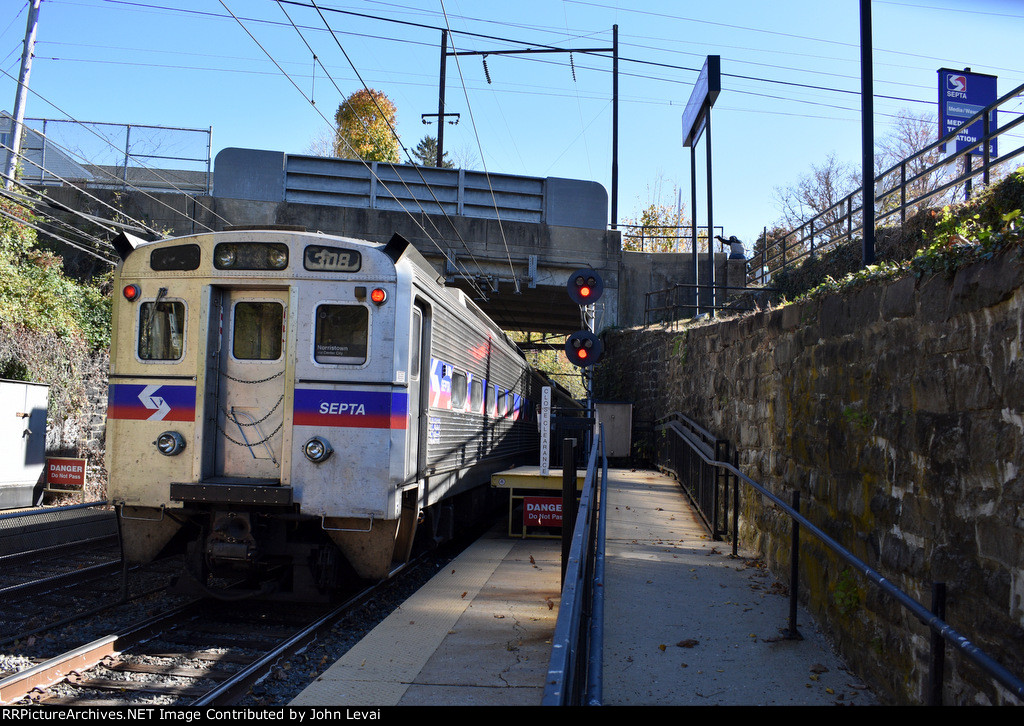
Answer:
(963, 94)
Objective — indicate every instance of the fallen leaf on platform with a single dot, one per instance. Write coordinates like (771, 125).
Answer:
(688, 643)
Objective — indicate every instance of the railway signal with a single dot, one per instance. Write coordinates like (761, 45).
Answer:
(585, 286)
(583, 348)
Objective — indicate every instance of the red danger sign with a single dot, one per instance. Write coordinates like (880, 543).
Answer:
(542, 511)
(65, 472)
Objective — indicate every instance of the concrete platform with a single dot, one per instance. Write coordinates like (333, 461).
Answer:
(688, 625)
(479, 633)
(685, 623)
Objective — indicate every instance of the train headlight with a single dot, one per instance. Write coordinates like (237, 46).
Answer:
(317, 450)
(224, 256)
(277, 257)
(170, 443)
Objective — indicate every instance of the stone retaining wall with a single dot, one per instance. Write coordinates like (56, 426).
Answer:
(897, 411)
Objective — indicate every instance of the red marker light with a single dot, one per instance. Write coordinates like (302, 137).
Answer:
(378, 296)
(131, 292)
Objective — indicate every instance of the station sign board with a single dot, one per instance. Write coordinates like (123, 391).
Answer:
(64, 473)
(542, 511)
(963, 94)
(702, 98)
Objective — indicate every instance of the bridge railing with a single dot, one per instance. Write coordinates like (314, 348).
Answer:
(685, 452)
(575, 671)
(898, 191)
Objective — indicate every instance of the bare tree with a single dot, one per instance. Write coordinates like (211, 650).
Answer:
(901, 155)
(819, 193)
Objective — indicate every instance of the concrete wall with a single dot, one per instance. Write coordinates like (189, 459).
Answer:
(897, 411)
(643, 272)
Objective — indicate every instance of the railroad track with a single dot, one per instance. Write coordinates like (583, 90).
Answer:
(203, 653)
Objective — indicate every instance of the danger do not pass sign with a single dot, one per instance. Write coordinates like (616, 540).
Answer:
(65, 472)
(542, 511)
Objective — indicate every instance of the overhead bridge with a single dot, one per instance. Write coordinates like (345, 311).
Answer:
(511, 242)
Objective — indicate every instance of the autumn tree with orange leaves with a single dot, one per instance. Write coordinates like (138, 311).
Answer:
(365, 128)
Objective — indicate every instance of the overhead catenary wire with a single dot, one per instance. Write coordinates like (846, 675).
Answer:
(356, 156)
(483, 160)
(394, 133)
(66, 182)
(121, 182)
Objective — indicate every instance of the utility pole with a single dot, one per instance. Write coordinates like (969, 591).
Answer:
(22, 94)
(867, 120)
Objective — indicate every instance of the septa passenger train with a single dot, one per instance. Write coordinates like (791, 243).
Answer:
(291, 407)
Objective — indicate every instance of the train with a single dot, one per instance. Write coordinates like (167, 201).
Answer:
(292, 411)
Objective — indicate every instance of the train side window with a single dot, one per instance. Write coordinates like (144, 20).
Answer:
(459, 386)
(342, 334)
(161, 330)
(417, 342)
(476, 396)
(258, 330)
(491, 400)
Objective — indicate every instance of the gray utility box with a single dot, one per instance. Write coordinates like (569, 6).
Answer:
(618, 428)
(23, 442)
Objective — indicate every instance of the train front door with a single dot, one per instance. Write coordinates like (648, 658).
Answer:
(251, 383)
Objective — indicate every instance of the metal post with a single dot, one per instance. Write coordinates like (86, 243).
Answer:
(986, 149)
(22, 93)
(711, 226)
(794, 573)
(967, 174)
(127, 151)
(936, 671)
(867, 134)
(693, 226)
(735, 503)
(568, 499)
(440, 100)
(615, 126)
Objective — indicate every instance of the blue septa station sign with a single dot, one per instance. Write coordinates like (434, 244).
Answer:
(963, 94)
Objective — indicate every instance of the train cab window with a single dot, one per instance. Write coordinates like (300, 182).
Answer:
(476, 396)
(258, 330)
(459, 386)
(161, 330)
(342, 333)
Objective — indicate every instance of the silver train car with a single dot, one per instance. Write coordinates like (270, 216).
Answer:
(293, 409)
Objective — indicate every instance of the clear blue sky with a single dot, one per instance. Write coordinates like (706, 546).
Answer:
(791, 78)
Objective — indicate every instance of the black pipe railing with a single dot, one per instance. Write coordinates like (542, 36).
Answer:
(575, 671)
(678, 427)
(893, 193)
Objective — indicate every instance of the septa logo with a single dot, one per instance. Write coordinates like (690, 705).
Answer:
(956, 83)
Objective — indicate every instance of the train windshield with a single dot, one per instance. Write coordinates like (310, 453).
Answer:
(342, 332)
(257, 331)
(161, 330)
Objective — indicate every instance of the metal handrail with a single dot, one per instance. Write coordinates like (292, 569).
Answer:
(837, 223)
(935, 623)
(574, 674)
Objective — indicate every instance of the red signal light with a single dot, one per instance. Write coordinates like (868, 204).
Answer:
(584, 291)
